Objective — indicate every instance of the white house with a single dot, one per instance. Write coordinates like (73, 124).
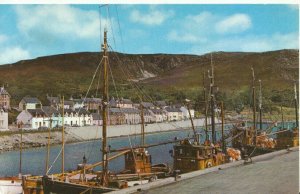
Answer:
(28, 103)
(159, 115)
(3, 120)
(174, 114)
(185, 113)
(48, 116)
(32, 119)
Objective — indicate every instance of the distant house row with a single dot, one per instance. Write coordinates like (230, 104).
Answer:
(81, 112)
(85, 111)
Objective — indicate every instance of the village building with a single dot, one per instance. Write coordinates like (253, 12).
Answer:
(120, 103)
(148, 105)
(132, 115)
(78, 104)
(77, 118)
(47, 116)
(97, 119)
(124, 103)
(185, 113)
(54, 101)
(116, 116)
(92, 104)
(30, 103)
(174, 114)
(161, 104)
(159, 115)
(32, 119)
(3, 119)
(68, 104)
(4, 98)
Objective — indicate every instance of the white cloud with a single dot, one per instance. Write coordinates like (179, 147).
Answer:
(13, 54)
(250, 43)
(3, 38)
(184, 37)
(153, 17)
(57, 20)
(234, 24)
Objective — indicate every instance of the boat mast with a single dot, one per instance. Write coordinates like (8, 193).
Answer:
(212, 101)
(205, 104)
(282, 120)
(21, 147)
(223, 140)
(48, 147)
(193, 127)
(63, 138)
(296, 104)
(254, 105)
(104, 180)
(260, 106)
(143, 126)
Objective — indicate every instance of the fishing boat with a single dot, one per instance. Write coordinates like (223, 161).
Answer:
(93, 181)
(249, 140)
(194, 155)
(13, 184)
(290, 138)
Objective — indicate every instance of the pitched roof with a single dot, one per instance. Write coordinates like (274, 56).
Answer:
(49, 110)
(96, 116)
(31, 100)
(37, 112)
(3, 91)
(68, 102)
(125, 101)
(157, 111)
(53, 100)
(147, 104)
(161, 103)
(92, 100)
(173, 109)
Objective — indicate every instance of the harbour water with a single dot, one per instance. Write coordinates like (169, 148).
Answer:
(33, 160)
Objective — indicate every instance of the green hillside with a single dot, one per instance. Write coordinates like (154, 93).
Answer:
(160, 76)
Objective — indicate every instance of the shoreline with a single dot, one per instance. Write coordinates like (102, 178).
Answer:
(74, 135)
(11, 142)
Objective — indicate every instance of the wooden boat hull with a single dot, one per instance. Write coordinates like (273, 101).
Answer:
(59, 187)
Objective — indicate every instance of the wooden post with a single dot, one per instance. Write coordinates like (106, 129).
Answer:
(104, 180)
(143, 126)
(282, 121)
(296, 105)
(21, 147)
(223, 140)
(193, 127)
(254, 106)
(260, 106)
(48, 147)
(212, 103)
(63, 139)
(205, 101)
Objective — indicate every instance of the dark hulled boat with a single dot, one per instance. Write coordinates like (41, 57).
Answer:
(63, 187)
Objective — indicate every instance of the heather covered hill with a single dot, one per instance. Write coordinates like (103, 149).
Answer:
(168, 74)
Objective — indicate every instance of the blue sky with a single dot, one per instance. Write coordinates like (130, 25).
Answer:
(30, 31)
